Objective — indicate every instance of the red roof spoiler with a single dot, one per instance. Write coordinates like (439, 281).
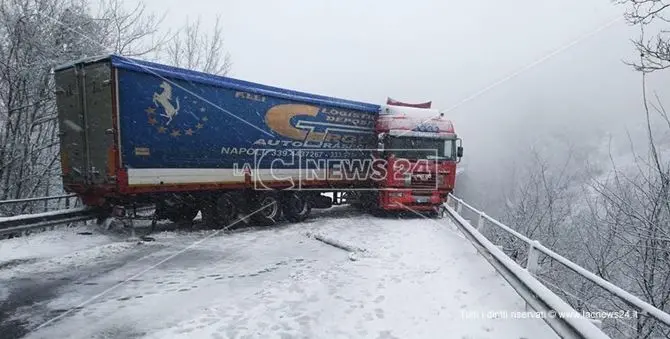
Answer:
(392, 102)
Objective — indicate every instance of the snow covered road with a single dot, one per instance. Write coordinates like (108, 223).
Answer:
(418, 278)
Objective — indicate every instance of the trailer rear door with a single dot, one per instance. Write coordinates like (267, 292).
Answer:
(84, 104)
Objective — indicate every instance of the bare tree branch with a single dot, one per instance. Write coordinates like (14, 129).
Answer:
(654, 52)
(35, 36)
(194, 49)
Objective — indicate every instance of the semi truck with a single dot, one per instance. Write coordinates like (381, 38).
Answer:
(134, 132)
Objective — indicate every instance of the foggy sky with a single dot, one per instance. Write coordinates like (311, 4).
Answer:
(445, 51)
(427, 50)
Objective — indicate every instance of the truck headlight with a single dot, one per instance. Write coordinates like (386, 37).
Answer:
(440, 180)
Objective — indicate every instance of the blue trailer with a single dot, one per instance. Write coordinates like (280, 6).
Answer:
(132, 130)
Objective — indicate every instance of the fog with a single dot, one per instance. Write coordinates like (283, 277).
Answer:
(448, 52)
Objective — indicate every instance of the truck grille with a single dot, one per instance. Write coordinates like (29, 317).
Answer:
(428, 180)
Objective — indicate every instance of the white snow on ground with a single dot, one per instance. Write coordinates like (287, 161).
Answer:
(50, 244)
(417, 279)
(72, 260)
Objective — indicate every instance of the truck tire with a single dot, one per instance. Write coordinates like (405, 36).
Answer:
(210, 216)
(183, 216)
(271, 208)
(176, 213)
(103, 213)
(218, 212)
(295, 206)
(226, 210)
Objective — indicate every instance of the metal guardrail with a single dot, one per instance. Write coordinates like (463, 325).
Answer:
(18, 201)
(534, 250)
(24, 223)
(38, 204)
(537, 296)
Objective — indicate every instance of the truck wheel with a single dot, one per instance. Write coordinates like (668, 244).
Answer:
(225, 210)
(271, 209)
(296, 208)
(218, 212)
(183, 216)
(210, 216)
(103, 213)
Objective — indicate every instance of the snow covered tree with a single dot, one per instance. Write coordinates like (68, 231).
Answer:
(608, 212)
(36, 36)
(650, 16)
(635, 208)
(634, 214)
(541, 196)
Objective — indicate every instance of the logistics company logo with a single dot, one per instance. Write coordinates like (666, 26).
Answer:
(337, 129)
(167, 116)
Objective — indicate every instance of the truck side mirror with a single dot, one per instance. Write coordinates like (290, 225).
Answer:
(459, 149)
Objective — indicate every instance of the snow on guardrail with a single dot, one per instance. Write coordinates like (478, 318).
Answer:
(538, 297)
(534, 248)
(18, 201)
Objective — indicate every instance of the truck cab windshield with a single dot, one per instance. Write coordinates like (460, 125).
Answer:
(421, 148)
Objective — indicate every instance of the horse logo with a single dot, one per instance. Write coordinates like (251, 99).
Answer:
(164, 99)
(185, 127)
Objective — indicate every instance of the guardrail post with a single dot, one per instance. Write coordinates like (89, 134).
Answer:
(459, 206)
(533, 261)
(131, 224)
(480, 221)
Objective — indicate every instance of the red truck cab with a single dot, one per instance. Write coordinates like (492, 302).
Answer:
(421, 150)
